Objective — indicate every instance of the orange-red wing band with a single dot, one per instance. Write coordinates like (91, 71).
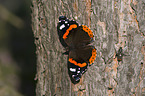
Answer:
(93, 57)
(67, 31)
(91, 60)
(77, 64)
(86, 29)
(119, 59)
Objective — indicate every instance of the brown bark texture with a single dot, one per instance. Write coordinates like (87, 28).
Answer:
(115, 24)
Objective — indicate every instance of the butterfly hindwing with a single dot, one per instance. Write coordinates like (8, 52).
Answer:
(84, 54)
(79, 34)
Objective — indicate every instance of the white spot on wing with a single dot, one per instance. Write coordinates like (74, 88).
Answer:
(66, 22)
(73, 69)
(62, 26)
(73, 75)
(78, 71)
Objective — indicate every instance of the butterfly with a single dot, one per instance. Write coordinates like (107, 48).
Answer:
(77, 40)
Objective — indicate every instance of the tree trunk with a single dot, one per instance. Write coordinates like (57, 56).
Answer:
(115, 24)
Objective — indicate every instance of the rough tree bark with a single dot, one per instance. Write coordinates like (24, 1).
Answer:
(115, 23)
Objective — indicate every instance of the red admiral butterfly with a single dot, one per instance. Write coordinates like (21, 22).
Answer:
(77, 40)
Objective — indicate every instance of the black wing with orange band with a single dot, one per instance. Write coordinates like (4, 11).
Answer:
(78, 36)
(63, 28)
(79, 60)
